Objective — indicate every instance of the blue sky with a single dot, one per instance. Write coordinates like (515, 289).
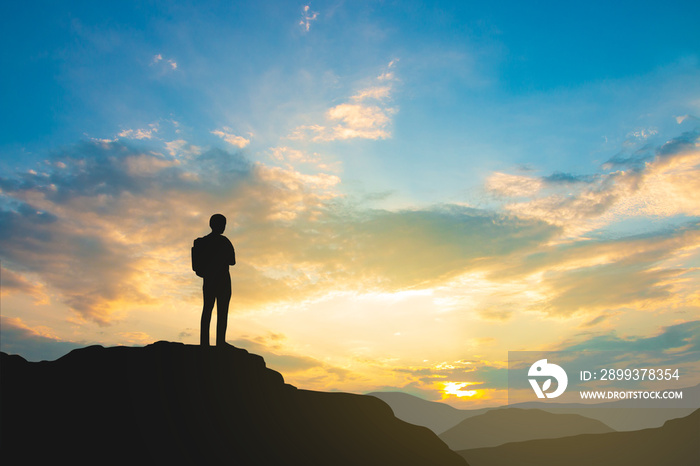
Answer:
(446, 174)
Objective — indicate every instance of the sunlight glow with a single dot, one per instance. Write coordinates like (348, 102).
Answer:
(455, 388)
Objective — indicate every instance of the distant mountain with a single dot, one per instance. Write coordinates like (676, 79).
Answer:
(618, 415)
(505, 425)
(691, 397)
(675, 443)
(622, 419)
(624, 415)
(170, 403)
(434, 415)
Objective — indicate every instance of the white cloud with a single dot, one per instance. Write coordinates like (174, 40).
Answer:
(294, 157)
(147, 164)
(168, 62)
(376, 93)
(359, 121)
(503, 184)
(236, 141)
(682, 118)
(307, 16)
(368, 115)
(664, 186)
(112, 231)
(139, 133)
(180, 147)
(641, 134)
(388, 75)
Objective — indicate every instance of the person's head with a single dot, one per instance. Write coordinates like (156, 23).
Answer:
(217, 222)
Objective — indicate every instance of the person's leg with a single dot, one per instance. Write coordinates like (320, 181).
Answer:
(209, 298)
(222, 302)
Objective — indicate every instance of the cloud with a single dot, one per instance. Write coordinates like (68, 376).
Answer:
(587, 270)
(349, 121)
(293, 157)
(678, 342)
(610, 286)
(182, 149)
(367, 115)
(90, 272)
(106, 227)
(642, 134)
(682, 118)
(135, 338)
(302, 371)
(374, 93)
(477, 379)
(359, 121)
(591, 276)
(495, 314)
(139, 133)
(307, 16)
(479, 375)
(675, 346)
(82, 228)
(236, 141)
(336, 248)
(12, 282)
(503, 184)
(418, 247)
(597, 320)
(276, 358)
(567, 178)
(662, 184)
(168, 62)
(32, 344)
(104, 223)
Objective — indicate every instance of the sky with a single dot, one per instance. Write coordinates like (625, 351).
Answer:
(413, 188)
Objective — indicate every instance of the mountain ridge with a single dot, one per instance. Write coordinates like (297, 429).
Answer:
(434, 415)
(614, 414)
(676, 443)
(184, 404)
(507, 425)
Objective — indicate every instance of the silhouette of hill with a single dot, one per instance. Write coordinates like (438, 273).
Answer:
(170, 403)
(624, 415)
(622, 419)
(675, 443)
(434, 415)
(619, 415)
(505, 425)
(691, 397)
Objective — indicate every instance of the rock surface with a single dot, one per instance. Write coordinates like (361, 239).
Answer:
(180, 404)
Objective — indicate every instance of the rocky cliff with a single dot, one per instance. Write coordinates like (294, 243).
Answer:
(180, 404)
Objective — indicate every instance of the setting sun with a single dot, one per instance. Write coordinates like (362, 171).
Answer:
(455, 389)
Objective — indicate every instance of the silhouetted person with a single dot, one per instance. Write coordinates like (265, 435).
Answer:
(211, 257)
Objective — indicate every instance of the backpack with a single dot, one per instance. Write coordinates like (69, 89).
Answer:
(198, 257)
(210, 255)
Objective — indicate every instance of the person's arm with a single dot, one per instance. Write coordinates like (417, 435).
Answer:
(232, 255)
